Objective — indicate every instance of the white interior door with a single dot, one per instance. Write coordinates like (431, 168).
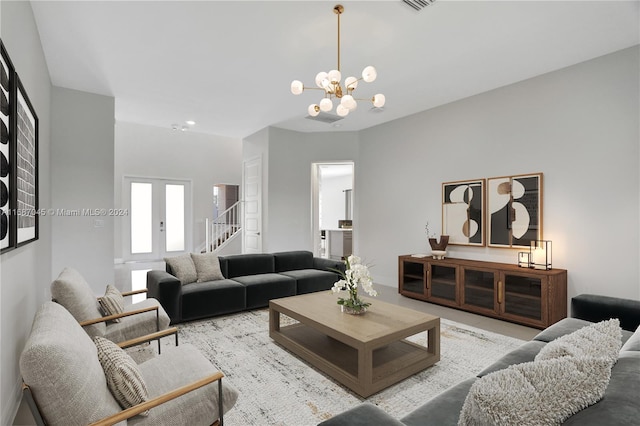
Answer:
(252, 188)
(159, 222)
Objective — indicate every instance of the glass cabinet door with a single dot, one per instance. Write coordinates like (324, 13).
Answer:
(412, 279)
(441, 282)
(521, 295)
(478, 287)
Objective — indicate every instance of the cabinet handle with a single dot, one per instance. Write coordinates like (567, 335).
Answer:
(500, 291)
(428, 274)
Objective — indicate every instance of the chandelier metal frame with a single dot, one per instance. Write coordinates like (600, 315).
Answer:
(329, 82)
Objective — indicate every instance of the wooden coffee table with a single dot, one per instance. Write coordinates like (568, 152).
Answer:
(366, 353)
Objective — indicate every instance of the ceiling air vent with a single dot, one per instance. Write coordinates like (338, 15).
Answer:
(418, 4)
(325, 118)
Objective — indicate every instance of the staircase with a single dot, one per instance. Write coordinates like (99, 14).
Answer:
(223, 228)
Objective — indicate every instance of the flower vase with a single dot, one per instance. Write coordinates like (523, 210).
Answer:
(352, 311)
(439, 248)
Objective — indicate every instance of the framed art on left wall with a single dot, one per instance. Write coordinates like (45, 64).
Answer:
(7, 236)
(26, 170)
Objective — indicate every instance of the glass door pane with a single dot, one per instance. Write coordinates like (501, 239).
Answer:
(141, 217)
(174, 218)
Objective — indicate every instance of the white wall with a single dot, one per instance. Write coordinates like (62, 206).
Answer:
(82, 183)
(205, 160)
(579, 126)
(289, 205)
(25, 273)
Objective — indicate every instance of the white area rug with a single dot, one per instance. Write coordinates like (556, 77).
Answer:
(277, 388)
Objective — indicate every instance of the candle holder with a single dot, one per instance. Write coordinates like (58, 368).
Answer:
(540, 254)
(523, 259)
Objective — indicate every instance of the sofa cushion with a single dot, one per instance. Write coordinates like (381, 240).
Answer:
(264, 287)
(619, 405)
(633, 343)
(176, 367)
(112, 302)
(365, 414)
(202, 300)
(249, 264)
(525, 353)
(311, 280)
(561, 328)
(57, 348)
(293, 260)
(123, 377)
(444, 409)
(207, 267)
(536, 393)
(182, 268)
(599, 340)
(74, 293)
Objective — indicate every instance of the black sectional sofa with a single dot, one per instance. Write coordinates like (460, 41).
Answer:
(251, 280)
(619, 406)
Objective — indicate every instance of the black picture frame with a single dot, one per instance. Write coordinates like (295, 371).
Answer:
(514, 210)
(7, 163)
(463, 212)
(26, 218)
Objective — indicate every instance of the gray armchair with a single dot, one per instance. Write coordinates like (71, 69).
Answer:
(64, 382)
(139, 319)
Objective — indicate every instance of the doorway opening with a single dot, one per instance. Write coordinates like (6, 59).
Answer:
(332, 209)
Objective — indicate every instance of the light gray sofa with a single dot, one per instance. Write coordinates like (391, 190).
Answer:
(619, 406)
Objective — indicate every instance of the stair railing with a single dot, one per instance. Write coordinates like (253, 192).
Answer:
(222, 228)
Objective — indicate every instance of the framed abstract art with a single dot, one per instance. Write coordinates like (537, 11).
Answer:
(463, 206)
(514, 214)
(6, 151)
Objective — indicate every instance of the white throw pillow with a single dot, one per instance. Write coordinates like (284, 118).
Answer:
(112, 302)
(183, 268)
(123, 376)
(536, 393)
(602, 339)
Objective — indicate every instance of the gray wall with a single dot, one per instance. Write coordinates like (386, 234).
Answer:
(155, 152)
(289, 204)
(82, 181)
(25, 273)
(579, 126)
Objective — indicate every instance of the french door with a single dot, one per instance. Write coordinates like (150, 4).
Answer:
(159, 221)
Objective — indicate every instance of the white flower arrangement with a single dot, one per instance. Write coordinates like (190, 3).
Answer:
(356, 274)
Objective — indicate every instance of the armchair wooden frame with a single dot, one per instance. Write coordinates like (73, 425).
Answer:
(140, 408)
(135, 312)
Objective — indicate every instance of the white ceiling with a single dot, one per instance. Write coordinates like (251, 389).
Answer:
(228, 65)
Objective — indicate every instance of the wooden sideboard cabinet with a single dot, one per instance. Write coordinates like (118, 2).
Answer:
(532, 297)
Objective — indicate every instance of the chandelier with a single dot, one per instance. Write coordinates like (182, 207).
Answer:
(329, 82)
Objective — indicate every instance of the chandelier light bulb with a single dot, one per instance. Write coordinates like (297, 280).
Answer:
(351, 83)
(326, 85)
(334, 76)
(347, 101)
(379, 100)
(320, 77)
(341, 110)
(313, 110)
(296, 87)
(326, 105)
(369, 74)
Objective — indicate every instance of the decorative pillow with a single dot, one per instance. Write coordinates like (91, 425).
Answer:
(183, 268)
(112, 302)
(599, 340)
(536, 393)
(123, 376)
(633, 344)
(207, 267)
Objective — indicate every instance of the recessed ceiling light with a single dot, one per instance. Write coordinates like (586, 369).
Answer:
(191, 122)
